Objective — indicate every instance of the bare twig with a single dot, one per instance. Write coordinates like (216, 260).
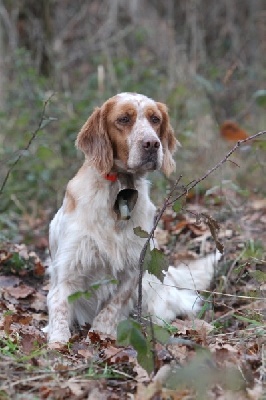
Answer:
(236, 296)
(153, 343)
(194, 183)
(170, 200)
(22, 151)
(145, 247)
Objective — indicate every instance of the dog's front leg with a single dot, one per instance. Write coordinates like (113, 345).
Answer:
(60, 315)
(117, 309)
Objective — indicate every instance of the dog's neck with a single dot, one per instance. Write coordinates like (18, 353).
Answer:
(123, 193)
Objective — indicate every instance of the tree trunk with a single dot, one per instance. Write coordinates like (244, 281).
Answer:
(2, 66)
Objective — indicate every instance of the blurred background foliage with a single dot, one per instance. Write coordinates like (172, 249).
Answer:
(204, 59)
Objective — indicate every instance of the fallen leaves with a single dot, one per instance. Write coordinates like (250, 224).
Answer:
(20, 292)
(92, 366)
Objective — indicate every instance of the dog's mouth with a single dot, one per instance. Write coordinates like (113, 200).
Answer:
(151, 164)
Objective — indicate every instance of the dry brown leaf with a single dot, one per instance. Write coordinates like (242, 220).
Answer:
(256, 392)
(258, 204)
(231, 131)
(39, 269)
(161, 236)
(179, 352)
(22, 319)
(39, 302)
(196, 325)
(28, 343)
(9, 281)
(178, 394)
(142, 374)
(111, 352)
(178, 228)
(98, 394)
(20, 292)
(86, 353)
(148, 392)
(57, 346)
(75, 388)
(198, 230)
(7, 323)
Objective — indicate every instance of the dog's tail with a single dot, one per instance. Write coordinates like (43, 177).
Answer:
(177, 294)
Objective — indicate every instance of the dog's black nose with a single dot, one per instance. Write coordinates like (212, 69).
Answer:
(151, 144)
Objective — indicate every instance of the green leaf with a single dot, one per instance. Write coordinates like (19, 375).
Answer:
(97, 284)
(75, 296)
(94, 286)
(123, 332)
(157, 262)
(138, 341)
(247, 320)
(129, 333)
(260, 97)
(260, 276)
(178, 205)
(146, 360)
(140, 232)
(161, 334)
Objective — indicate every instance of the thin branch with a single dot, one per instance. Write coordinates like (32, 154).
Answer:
(236, 296)
(145, 247)
(22, 151)
(153, 343)
(168, 201)
(194, 183)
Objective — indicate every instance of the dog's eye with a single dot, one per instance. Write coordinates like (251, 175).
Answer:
(123, 120)
(155, 119)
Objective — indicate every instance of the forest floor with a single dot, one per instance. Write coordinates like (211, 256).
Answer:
(221, 354)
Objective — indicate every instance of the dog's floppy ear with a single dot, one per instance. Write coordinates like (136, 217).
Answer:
(169, 142)
(94, 141)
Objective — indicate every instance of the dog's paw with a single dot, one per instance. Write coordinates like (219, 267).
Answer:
(61, 336)
(104, 325)
(57, 346)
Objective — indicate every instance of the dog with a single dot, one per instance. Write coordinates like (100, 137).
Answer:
(94, 249)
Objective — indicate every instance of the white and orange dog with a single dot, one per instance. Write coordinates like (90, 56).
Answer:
(90, 241)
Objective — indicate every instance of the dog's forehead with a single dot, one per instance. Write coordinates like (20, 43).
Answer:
(138, 100)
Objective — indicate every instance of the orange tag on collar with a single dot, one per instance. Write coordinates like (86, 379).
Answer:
(111, 177)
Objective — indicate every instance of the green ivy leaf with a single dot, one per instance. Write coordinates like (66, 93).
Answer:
(94, 286)
(97, 284)
(156, 262)
(77, 295)
(161, 334)
(129, 333)
(178, 205)
(140, 232)
(146, 360)
(138, 341)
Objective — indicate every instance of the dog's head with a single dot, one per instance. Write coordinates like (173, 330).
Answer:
(130, 132)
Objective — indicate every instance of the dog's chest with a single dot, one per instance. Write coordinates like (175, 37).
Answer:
(110, 249)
